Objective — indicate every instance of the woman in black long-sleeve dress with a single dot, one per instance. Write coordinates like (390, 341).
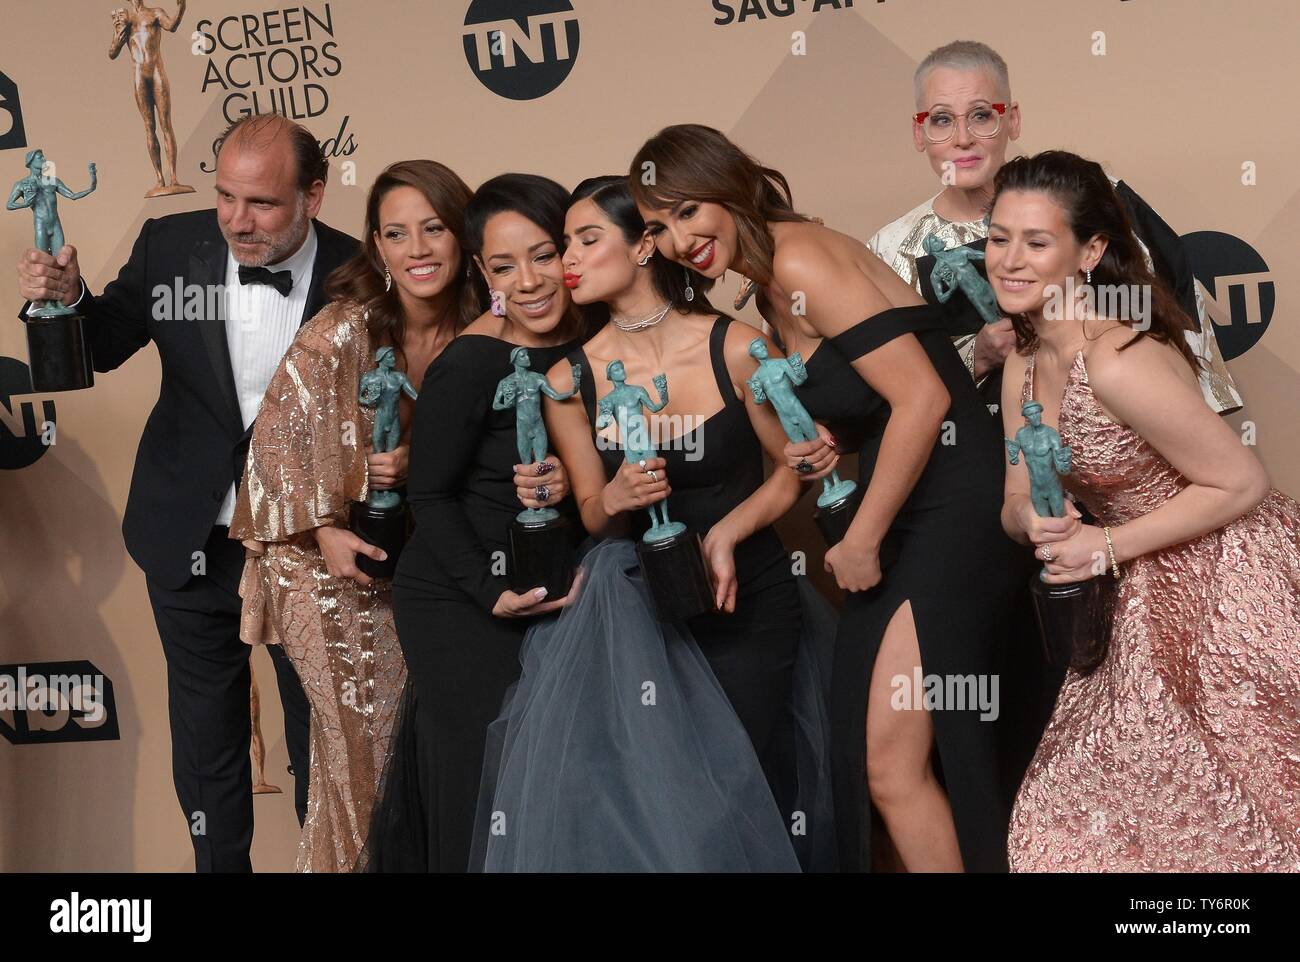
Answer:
(932, 465)
(459, 624)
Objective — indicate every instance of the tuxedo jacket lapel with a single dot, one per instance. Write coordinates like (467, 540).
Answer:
(314, 293)
(332, 250)
(208, 267)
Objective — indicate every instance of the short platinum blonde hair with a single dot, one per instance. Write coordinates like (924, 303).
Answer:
(963, 55)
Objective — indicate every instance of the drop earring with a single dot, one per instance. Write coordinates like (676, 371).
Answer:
(690, 291)
(1087, 275)
(388, 280)
(498, 304)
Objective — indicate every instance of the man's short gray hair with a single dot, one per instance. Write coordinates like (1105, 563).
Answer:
(963, 55)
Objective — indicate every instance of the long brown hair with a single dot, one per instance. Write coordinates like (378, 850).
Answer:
(1093, 208)
(694, 162)
(362, 278)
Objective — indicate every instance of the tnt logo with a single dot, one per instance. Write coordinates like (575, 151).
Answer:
(12, 133)
(26, 419)
(521, 49)
(56, 701)
(1237, 287)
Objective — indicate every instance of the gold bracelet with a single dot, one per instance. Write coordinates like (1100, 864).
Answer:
(1110, 549)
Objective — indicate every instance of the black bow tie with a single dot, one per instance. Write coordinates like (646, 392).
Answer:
(282, 281)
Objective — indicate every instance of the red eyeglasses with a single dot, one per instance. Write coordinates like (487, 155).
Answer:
(982, 121)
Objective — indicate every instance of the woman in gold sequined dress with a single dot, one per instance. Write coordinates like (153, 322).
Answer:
(1181, 751)
(409, 288)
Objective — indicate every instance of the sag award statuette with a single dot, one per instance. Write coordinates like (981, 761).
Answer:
(56, 340)
(139, 29)
(541, 548)
(671, 557)
(954, 271)
(1074, 618)
(381, 518)
(775, 381)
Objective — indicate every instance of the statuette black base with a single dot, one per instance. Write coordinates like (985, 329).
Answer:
(384, 528)
(834, 519)
(1075, 620)
(676, 575)
(59, 357)
(541, 556)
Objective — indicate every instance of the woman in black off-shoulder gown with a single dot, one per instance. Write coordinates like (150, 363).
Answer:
(928, 572)
(954, 564)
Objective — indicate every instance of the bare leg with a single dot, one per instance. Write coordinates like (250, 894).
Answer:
(258, 745)
(163, 102)
(899, 742)
(394, 436)
(144, 101)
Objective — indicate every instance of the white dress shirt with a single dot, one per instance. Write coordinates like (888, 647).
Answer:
(260, 325)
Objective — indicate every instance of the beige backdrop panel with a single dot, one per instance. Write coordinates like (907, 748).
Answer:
(1187, 91)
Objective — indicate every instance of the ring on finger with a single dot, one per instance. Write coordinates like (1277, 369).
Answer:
(543, 493)
(654, 476)
(803, 467)
(1047, 552)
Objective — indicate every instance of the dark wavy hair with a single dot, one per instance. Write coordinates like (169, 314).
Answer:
(1093, 208)
(694, 162)
(612, 195)
(538, 199)
(361, 279)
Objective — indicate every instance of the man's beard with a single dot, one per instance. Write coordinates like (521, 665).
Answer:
(277, 246)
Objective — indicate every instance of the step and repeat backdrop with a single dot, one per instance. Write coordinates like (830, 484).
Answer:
(1190, 101)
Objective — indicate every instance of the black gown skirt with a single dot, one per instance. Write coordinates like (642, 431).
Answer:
(620, 750)
(712, 469)
(957, 568)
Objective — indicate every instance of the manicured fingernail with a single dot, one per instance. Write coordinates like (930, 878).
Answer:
(830, 439)
(540, 593)
(383, 556)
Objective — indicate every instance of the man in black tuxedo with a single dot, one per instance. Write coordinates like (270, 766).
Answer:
(221, 294)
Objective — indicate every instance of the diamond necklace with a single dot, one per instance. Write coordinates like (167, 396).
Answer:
(641, 325)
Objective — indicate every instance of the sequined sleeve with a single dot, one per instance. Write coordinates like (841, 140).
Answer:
(307, 459)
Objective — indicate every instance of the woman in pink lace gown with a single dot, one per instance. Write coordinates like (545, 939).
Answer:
(1181, 751)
